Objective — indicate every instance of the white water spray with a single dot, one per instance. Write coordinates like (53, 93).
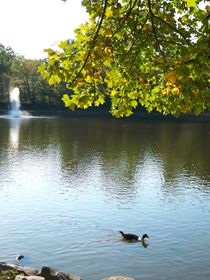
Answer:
(14, 96)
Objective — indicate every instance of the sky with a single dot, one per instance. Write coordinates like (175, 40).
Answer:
(30, 26)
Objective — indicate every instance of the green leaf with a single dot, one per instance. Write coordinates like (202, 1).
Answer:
(115, 57)
(191, 3)
(63, 44)
(54, 79)
(134, 103)
(107, 62)
(88, 79)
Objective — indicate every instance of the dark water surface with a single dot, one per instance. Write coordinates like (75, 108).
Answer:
(68, 185)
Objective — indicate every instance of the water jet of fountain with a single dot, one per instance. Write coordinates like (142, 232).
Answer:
(15, 112)
(14, 96)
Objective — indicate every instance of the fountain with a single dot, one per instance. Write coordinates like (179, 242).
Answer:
(15, 111)
(16, 117)
(14, 96)
(15, 106)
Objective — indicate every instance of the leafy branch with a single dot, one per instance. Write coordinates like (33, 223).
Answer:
(154, 30)
(93, 42)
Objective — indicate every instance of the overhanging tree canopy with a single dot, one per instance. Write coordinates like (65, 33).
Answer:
(146, 53)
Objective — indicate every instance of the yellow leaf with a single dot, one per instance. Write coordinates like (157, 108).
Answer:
(97, 76)
(53, 80)
(99, 51)
(84, 27)
(107, 62)
(175, 90)
(63, 44)
(165, 92)
(96, 103)
(113, 92)
(99, 101)
(109, 12)
(172, 77)
(134, 103)
(191, 3)
(107, 51)
(108, 32)
(88, 79)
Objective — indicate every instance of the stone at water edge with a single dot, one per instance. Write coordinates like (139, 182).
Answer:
(50, 273)
(32, 277)
(119, 278)
(25, 269)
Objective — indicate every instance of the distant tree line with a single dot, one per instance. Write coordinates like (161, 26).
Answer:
(15, 70)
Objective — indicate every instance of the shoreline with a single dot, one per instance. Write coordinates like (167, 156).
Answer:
(10, 271)
(140, 115)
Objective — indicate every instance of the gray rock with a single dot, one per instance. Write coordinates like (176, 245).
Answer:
(5, 266)
(119, 278)
(24, 269)
(50, 273)
(32, 277)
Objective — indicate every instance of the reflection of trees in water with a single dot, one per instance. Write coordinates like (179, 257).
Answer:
(128, 176)
(184, 150)
(109, 150)
(121, 152)
(178, 148)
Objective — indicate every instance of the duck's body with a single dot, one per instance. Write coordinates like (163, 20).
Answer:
(19, 257)
(133, 237)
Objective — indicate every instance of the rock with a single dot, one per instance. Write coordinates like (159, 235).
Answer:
(24, 269)
(48, 273)
(5, 266)
(119, 278)
(51, 274)
(32, 277)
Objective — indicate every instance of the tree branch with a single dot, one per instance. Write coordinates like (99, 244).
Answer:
(154, 30)
(92, 43)
(125, 18)
(173, 28)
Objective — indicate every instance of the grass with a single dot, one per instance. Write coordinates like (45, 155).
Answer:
(9, 274)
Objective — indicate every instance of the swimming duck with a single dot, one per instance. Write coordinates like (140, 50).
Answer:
(19, 257)
(130, 236)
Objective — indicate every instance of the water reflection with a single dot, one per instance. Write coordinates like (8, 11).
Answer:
(121, 156)
(14, 131)
(171, 145)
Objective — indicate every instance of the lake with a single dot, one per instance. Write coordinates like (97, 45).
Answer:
(69, 184)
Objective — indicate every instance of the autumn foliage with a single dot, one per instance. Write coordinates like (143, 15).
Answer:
(137, 53)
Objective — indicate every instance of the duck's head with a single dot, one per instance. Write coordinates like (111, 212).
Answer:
(144, 236)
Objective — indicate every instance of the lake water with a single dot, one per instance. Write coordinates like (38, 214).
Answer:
(68, 185)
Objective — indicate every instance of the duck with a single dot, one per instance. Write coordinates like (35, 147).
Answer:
(19, 257)
(134, 237)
